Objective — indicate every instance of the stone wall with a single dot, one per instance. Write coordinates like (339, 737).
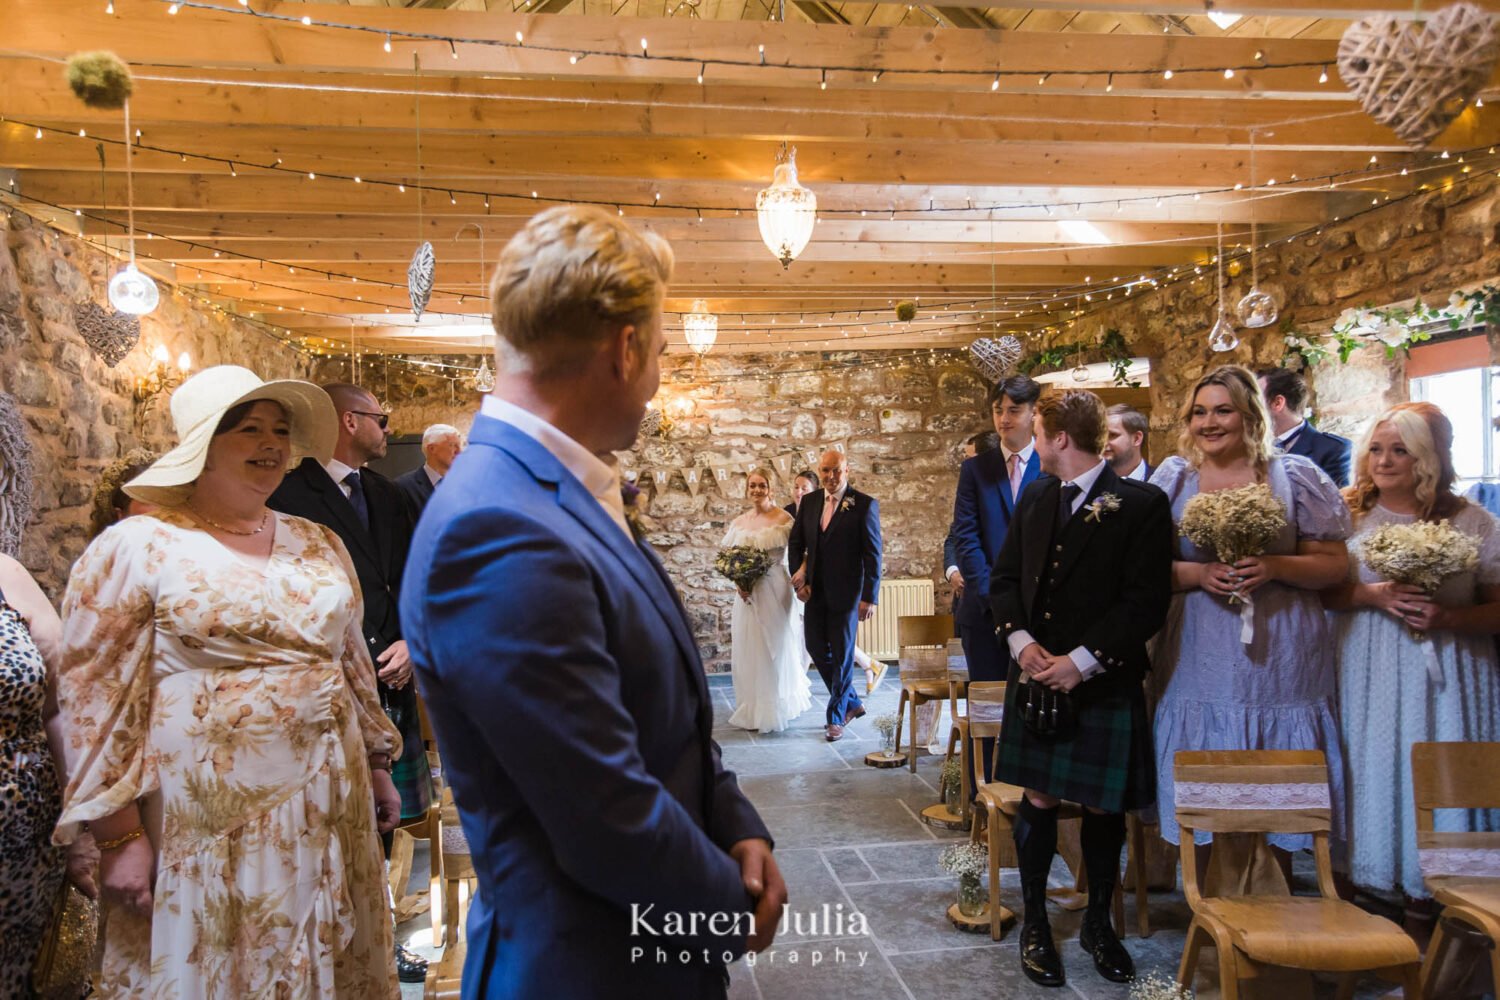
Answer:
(904, 421)
(1426, 245)
(80, 413)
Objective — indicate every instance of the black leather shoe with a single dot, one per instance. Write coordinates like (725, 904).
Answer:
(1039, 958)
(410, 968)
(1098, 938)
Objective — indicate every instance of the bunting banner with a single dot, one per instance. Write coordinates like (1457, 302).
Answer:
(691, 475)
(783, 466)
(786, 466)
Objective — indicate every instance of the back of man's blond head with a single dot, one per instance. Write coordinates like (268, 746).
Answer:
(570, 278)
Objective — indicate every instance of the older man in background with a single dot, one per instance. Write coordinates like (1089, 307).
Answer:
(441, 444)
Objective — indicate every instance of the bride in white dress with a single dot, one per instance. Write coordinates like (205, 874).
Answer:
(766, 656)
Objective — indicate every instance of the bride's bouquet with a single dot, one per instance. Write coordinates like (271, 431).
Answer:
(743, 565)
(1235, 524)
(1421, 554)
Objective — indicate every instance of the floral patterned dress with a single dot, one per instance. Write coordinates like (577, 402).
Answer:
(237, 703)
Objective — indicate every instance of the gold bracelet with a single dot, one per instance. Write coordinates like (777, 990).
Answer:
(110, 845)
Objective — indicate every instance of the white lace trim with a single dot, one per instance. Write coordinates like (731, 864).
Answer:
(986, 711)
(762, 538)
(454, 841)
(1234, 795)
(1480, 861)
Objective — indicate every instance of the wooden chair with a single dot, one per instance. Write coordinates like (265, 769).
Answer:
(999, 803)
(1256, 792)
(923, 640)
(403, 848)
(958, 730)
(455, 870)
(1461, 869)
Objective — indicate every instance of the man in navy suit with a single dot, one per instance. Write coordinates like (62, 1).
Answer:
(1285, 392)
(977, 444)
(988, 488)
(441, 444)
(616, 856)
(1124, 438)
(835, 544)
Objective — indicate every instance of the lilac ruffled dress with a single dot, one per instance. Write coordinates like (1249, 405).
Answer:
(1276, 693)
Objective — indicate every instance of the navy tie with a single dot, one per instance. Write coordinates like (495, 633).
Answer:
(357, 498)
(1068, 494)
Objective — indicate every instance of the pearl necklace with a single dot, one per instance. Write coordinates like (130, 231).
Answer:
(264, 520)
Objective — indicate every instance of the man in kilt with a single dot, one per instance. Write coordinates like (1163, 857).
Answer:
(1082, 582)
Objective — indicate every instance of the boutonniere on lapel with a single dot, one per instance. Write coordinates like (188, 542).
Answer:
(1104, 503)
(635, 517)
(848, 504)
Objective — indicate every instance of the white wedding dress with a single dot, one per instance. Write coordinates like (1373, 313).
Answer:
(767, 660)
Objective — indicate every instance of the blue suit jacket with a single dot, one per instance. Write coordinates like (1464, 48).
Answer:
(570, 705)
(843, 563)
(982, 512)
(1331, 452)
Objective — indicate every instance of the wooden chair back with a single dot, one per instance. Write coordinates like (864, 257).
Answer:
(1455, 776)
(986, 702)
(924, 630)
(1254, 792)
(926, 664)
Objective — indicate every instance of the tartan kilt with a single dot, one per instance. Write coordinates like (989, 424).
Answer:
(410, 773)
(1110, 763)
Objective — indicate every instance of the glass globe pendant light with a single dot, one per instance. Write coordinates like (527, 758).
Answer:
(131, 290)
(1222, 337)
(1257, 308)
(786, 210)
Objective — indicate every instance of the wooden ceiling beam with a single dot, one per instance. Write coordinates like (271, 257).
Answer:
(36, 92)
(143, 33)
(1332, 9)
(519, 164)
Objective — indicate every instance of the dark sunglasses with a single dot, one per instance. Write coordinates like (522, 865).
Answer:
(380, 418)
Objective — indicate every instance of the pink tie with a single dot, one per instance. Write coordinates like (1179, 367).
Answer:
(827, 511)
(1013, 463)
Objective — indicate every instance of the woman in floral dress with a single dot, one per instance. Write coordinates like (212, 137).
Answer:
(1395, 690)
(226, 744)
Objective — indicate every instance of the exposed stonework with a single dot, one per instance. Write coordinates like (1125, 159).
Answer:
(1427, 245)
(81, 413)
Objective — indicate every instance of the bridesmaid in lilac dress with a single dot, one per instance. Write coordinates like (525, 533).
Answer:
(1276, 692)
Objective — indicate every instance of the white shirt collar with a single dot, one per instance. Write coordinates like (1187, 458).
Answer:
(1293, 432)
(1025, 453)
(1085, 483)
(337, 471)
(601, 478)
(1138, 473)
(837, 497)
(433, 475)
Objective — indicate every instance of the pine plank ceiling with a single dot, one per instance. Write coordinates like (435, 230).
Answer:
(1047, 165)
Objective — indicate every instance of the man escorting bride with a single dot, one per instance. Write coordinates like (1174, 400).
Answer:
(767, 660)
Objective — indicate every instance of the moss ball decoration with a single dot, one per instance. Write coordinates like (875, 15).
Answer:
(100, 79)
(906, 310)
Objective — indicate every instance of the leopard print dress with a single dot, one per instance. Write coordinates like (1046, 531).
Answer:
(31, 869)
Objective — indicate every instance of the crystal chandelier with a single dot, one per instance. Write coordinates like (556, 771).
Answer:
(786, 210)
(702, 326)
(484, 378)
(132, 290)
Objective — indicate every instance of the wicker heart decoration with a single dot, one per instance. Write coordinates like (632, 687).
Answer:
(110, 335)
(995, 358)
(419, 275)
(1416, 79)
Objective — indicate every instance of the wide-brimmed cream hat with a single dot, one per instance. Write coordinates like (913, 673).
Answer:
(201, 402)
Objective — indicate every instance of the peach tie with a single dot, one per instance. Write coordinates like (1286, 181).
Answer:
(827, 511)
(1012, 464)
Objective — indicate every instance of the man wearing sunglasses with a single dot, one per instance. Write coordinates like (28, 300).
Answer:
(372, 517)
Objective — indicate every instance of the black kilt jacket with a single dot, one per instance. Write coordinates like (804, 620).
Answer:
(1102, 582)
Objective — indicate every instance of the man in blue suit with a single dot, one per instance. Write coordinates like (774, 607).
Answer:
(616, 856)
(835, 543)
(988, 487)
(1125, 435)
(1285, 393)
(977, 444)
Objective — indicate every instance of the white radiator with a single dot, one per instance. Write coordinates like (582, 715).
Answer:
(898, 599)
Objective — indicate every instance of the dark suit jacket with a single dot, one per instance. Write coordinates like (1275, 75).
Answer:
(982, 512)
(379, 554)
(417, 487)
(1331, 452)
(570, 703)
(843, 563)
(1109, 580)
